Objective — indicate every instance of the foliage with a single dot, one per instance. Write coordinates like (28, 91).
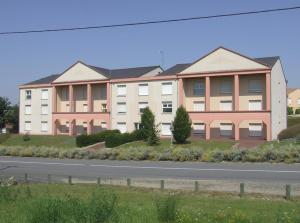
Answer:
(12, 117)
(290, 111)
(3, 137)
(147, 122)
(181, 126)
(166, 208)
(4, 108)
(290, 132)
(86, 140)
(153, 138)
(117, 139)
(26, 137)
(297, 111)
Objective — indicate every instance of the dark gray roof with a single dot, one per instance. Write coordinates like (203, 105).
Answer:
(124, 72)
(45, 80)
(269, 61)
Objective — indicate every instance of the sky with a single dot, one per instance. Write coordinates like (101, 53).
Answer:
(24, 58)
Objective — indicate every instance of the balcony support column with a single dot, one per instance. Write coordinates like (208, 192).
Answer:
(54, 99)
(108, 97)
(236, 92)
(207, 93)
(207, 130)
(236, 131)
(180, 91)
(89, 98)
(268, 91)
(71, 98)
(90, 124)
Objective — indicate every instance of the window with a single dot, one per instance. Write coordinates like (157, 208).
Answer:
(198, 88)
(289, 101)
(137, 125)
(27, 126)
(64, 94)
(142, 106)
(28, 94)
(121, 90)
(121, 108)
(167, 106)
(103, 125)
(199, 128)
(44, 94)
(44, 109)
(166, 88)
(85, 108)
(67, 124)
(255, 129)
(255, 86)
(27, 109)
(103, 93)
(68, 108)
(103, 108)
(199, 106)
(121, 126)
(225, 129)
(166, 129)
(226, 87)
(143, 89)
(226, 105)
(44, 126)
(255, 105)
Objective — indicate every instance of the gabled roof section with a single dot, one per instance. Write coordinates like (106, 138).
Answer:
(175, 69)
(45, 80)
(222, 59)
(269, 61)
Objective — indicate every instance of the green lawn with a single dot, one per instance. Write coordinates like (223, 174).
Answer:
(166, 143)
(138, 205)
(64, 142)
(293, 121)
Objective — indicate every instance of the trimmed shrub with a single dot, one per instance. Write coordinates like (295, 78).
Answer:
(290, 132)
(86, 140)
(117, 139)
(290, 111)
(297, 111)
(182, 125)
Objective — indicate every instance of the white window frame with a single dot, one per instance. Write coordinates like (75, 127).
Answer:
(226, 87)
(226, 105)
(103, 107)
(103, 125)
(121, 126)
(226, 129)
(166, 105)
(255, 129)
(143, 89)
(44, 94)
(121, 90)
(198, 128)
(255, 86)
(85, 108)
(44, 109)
(44, 126)
(250, 105)
(142, 106)
(166, 126)
(199, 106)
(27, 126)
(28, 110)
(198, 88)
(167, 88)
(121, 105)
(28, 94)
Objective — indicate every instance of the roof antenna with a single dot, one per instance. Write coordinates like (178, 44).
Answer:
(162, 59)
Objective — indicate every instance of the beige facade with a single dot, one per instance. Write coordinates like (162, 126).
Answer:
(293, 98)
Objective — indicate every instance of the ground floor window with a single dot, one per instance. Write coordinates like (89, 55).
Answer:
(103, 125)
(137, 125)
(27, 126)
(255, 129)
(121, 126)
(226, 129)
(166, 129)
(199, 128)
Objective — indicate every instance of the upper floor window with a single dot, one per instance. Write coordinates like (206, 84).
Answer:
(166, 88)
(85, 108)
(198, 88)
(45, 94)
(255, 86)
(255, 105)
(167, 106)
(143, 89)
(121, 108)
(28, 94)
(103, 108)
(289, 101)
(199, 106)
(44, 109)
(103, 93)
(142, 106)
(226, 105)
(226, 87)
(121, 90)
(27, 109)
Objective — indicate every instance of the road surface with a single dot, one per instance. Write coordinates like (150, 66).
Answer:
(264, 172)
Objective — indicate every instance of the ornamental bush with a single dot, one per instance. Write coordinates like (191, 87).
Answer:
(86, 140)
(290, 111)
(182, 126)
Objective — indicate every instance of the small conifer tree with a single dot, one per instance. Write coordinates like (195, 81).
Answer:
(182, 126)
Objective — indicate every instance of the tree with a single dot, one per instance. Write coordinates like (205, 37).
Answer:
(182, 125)
(4, 107)
(290, 111)
(12, 117)
(148, 127)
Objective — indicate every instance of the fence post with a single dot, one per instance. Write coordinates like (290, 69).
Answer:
(70, 179)
(288, 192)
(242, 189)
(196, 186)
(26, 178)
(49, 179)
(98, 180)
(128, 182)
(162, 184)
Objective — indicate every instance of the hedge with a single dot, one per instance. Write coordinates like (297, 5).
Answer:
(290, 132)
(297, 111)
(86, 140)
(117, 139)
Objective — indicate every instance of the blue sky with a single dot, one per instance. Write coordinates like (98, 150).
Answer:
(24, 58)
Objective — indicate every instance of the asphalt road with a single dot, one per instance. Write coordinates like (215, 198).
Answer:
(13, 166)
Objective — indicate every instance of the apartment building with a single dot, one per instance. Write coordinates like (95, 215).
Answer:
(293, 98)
(225, 93)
